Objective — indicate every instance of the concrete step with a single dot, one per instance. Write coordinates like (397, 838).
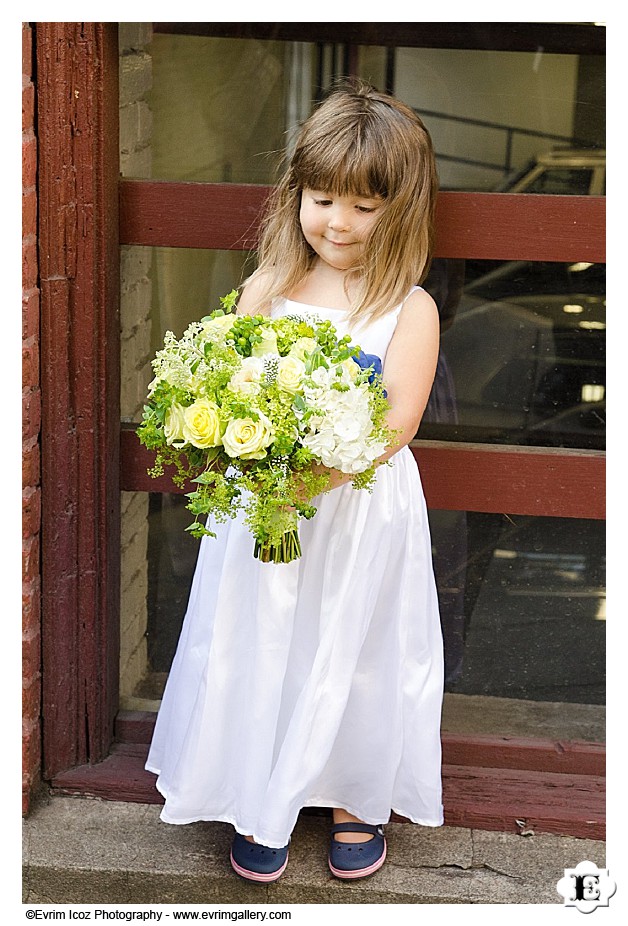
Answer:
(479, 797)
(81, 850)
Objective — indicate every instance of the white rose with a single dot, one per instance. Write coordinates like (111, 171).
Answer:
(216, 327)
(301, 347)
(173, 426)
(267, 344)
(247, 379)
(201, 424)
(248, 439)
(290, 373)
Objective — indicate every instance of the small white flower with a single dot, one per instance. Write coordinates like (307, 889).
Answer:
(321, 443)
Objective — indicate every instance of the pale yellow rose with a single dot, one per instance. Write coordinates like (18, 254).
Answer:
(290, 373)
(219, 326)
(301, 347)
(201, 424)
(267, 344)
(351, 368)
(173, 426)
(248, 439)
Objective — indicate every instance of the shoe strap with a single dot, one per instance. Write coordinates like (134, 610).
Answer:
(357, 828)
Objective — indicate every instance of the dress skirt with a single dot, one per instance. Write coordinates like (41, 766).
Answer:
(316, 683)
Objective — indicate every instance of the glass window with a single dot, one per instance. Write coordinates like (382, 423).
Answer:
(188, 283)
(522, 356)
(221, 108)
(523, 611)
(522, 603)
(493, 115)
(559, 180)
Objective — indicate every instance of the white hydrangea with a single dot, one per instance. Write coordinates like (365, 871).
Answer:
(338, 431)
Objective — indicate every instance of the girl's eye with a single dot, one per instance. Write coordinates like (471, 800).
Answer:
(365, 209)
(323, 202)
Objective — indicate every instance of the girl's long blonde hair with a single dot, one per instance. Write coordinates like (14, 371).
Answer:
(358, 142)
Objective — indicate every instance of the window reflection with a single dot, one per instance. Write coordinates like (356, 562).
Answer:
(172, 554)
(221, 108)
(527, 623)
(522, 353)
(522, 603)
(500, 120)
(188, 283)
(569, 172)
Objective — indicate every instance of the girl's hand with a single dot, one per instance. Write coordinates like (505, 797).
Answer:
(326, 480)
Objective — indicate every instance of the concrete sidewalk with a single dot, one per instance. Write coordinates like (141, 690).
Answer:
(80, 850)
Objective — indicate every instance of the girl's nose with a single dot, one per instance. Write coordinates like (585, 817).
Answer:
(339, 221)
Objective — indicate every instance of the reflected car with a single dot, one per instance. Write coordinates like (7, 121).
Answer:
(578, 172)
(526, 356)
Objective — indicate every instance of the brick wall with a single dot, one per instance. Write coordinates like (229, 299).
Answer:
(31, 420)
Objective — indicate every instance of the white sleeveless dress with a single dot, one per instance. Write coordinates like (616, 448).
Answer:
(316, 683)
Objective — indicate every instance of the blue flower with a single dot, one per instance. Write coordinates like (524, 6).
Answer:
(372, 363)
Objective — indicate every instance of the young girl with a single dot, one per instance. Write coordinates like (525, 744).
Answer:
(318, 683)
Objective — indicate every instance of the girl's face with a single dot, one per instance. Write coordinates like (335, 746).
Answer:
(336, 227)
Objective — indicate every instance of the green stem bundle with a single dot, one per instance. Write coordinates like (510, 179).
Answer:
(287, 550)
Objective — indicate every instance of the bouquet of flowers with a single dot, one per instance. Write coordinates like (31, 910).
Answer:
(246, 406)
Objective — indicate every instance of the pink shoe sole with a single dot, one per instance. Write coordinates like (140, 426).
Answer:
(348, 875)
(256, 875)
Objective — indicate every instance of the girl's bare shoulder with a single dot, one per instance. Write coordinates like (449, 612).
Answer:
(253, 293)
(418, 311)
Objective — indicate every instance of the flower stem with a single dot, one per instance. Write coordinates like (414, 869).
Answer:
(288, 549)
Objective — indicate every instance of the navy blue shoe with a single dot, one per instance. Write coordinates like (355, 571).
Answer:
(356, 859)
(255, 862)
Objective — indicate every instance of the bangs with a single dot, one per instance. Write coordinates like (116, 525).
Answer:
(349, 163)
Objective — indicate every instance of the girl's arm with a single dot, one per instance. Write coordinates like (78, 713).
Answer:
(408, 372)
(410, 367)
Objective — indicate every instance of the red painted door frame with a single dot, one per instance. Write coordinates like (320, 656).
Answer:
(77, 128)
